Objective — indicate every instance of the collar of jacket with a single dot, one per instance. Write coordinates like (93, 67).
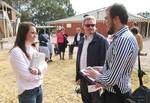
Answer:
(95, 36)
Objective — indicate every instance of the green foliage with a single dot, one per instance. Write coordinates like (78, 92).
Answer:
(41, 11)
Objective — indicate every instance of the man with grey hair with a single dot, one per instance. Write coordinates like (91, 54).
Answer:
(91, 52)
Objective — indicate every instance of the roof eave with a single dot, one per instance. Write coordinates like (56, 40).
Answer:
(5, 4)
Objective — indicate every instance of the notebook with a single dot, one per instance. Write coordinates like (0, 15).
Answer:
(37, 59)
(95, 69)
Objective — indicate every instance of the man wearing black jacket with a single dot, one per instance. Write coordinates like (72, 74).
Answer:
(91, 52)
(78, 36)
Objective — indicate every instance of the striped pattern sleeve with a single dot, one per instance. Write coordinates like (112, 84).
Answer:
(120, 53)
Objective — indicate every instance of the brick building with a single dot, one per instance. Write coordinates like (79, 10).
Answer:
(71, 23)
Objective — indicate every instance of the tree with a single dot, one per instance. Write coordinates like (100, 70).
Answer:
(19, 5)
(41, 11)
(144, 14)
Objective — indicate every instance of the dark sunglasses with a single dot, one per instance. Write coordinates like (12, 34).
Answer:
(88, 25)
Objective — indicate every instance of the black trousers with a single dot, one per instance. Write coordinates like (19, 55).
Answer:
(93, 97)
(109, 97)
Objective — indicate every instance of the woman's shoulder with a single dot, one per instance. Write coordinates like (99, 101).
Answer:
(16, 49)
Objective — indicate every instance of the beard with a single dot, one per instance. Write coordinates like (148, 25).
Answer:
(89, 32)
(111, 30)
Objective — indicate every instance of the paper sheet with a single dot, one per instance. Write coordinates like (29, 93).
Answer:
(37, 59)
(92, 88)
(95, 69)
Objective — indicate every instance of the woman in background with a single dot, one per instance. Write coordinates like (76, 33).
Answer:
(138, 37)
(61, 42)
(29, 79)
(43, 44)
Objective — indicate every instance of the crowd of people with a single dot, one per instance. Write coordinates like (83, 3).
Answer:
(46, 45)
(113, 57)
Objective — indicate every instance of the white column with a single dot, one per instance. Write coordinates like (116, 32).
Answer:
(4, 22)
(147, 30)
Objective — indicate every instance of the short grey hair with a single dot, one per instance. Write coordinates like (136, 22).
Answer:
(88, 18)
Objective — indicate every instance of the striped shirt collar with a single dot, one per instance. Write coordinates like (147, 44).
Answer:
(120, 32)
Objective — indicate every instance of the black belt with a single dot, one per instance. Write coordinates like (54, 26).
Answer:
(36, 89)
(31, 91)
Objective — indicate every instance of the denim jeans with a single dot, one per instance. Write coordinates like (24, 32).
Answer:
(31, 96)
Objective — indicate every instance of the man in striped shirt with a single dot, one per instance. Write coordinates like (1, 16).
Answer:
(120, 57)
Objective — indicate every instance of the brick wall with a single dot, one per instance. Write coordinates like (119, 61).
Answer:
(101, 27)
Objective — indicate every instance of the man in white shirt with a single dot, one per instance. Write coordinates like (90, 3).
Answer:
(91, 52)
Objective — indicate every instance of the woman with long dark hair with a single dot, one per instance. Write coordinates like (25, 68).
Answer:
(29, 79)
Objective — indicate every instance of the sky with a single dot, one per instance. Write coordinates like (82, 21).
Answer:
(133, 6)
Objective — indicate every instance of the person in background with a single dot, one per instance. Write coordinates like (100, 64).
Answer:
(43, 44)
(138, 37)
(91, 52)
(61, 42)
(49, 43)
(56, 49)
(76, 41)
(109, 39)
(66, 40)
(78, 36)
(115, 76)
(85, 15)
(29, 79)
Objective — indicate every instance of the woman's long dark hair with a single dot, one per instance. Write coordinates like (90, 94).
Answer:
(23, 29)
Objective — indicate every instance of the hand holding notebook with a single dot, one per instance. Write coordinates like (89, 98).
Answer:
(91, 72)
(37, 60)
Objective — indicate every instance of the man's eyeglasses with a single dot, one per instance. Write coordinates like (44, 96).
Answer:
(88, 25)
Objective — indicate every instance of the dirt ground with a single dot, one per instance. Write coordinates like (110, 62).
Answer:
(59, 82)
